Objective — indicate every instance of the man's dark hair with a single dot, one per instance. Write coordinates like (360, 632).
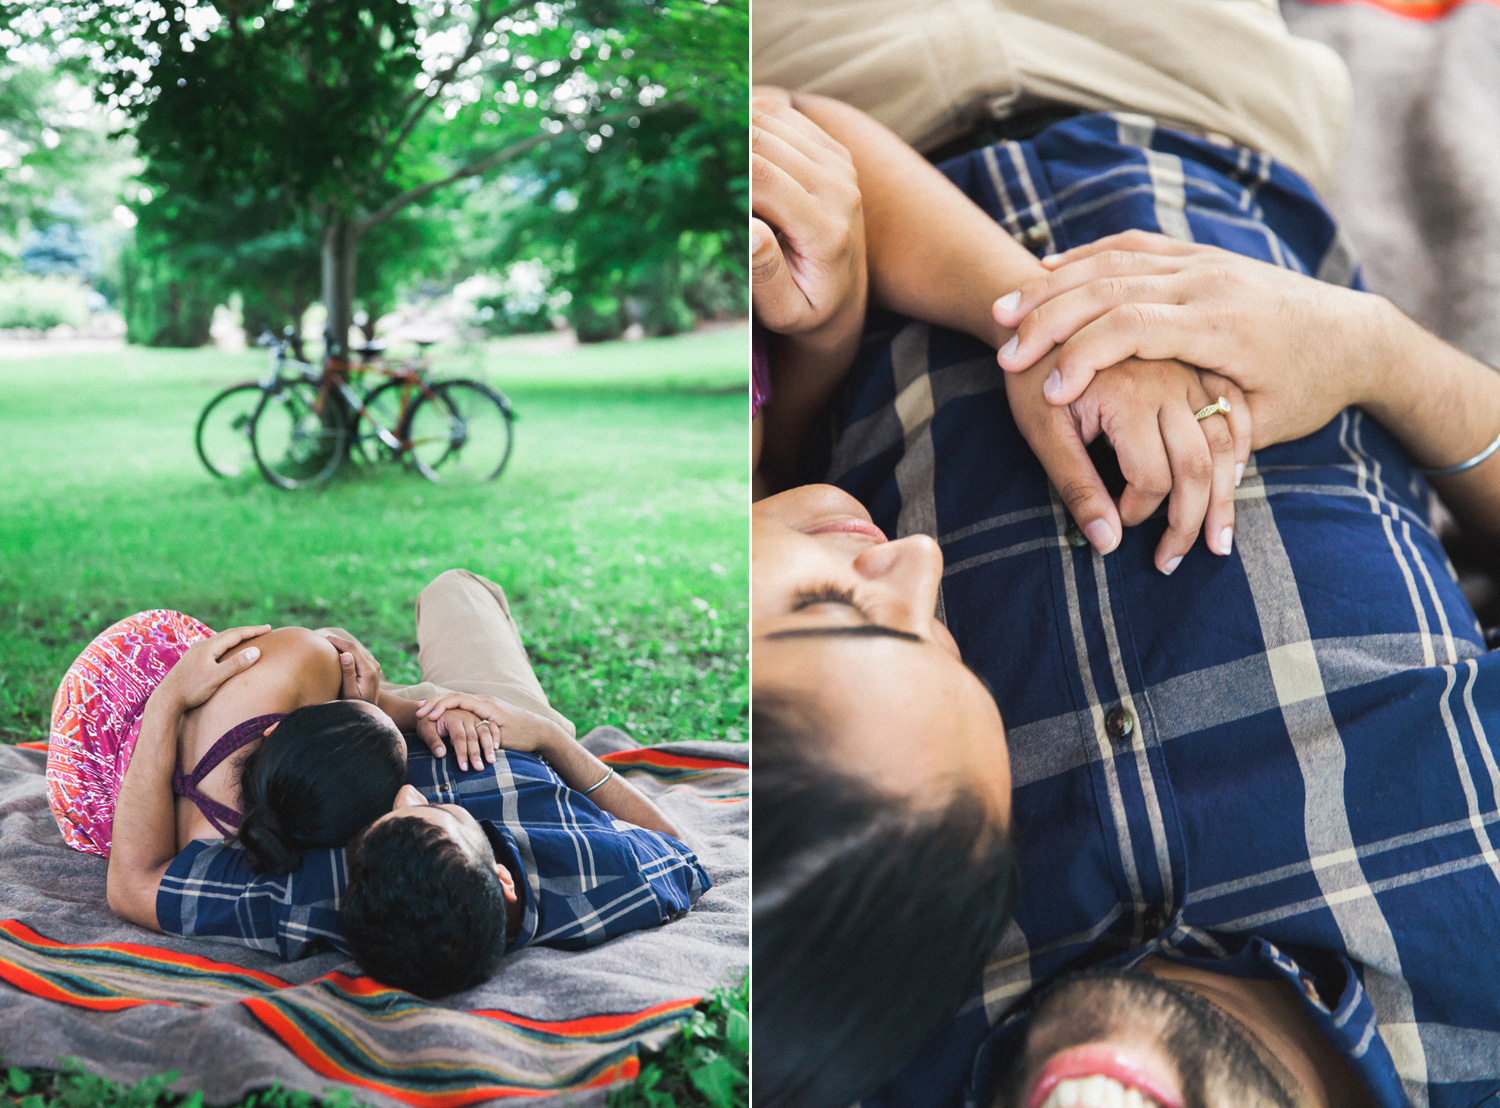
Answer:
(325, 772)
(421, 913)
(873, 916)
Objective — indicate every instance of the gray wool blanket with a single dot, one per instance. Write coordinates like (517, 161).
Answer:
(1418, 188)
(553, 1027)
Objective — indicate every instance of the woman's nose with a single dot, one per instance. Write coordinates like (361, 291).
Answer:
(911, 569)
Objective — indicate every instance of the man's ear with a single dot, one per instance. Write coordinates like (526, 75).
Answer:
(507, 883)
(273, 727)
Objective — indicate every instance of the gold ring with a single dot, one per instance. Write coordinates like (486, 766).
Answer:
(1219, 405)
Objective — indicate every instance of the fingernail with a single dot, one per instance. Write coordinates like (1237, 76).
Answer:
(1008, 302)
(346, 658)
(252, 654)
(1051, 259)
(1172, 565)
(757, 239)
(1010, 346)
(441, 751)
(1052, 384)
(1239, 474)
(1226, 540)
(1102, 535)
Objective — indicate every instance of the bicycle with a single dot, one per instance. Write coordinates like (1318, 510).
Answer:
(222, 434)
(305, 423)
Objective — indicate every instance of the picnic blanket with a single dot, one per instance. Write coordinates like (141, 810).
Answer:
(552, 1027)
(1418, 187)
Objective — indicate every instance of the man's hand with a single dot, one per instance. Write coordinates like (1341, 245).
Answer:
(1143, 295)
(807, 235)
(1146, 410)
(204, 667)
(495, 725)
(361, 672)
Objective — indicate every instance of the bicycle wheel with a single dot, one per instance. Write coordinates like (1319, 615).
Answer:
(460, 433)
(223, 432)
(298, 437)
(383, 410)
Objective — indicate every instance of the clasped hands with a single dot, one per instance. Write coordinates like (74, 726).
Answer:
(1289, 352)
(480, 725)
(476, 726)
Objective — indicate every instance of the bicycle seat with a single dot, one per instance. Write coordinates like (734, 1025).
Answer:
(371, 349)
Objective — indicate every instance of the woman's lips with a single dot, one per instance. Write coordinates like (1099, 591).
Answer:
(851, 525)
(1117, 1063)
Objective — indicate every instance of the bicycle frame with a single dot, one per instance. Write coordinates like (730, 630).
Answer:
(336, 379)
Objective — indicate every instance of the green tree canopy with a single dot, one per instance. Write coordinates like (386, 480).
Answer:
(58, 164)
(347, 112)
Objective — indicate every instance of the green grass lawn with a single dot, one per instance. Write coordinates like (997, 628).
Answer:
(619, 531)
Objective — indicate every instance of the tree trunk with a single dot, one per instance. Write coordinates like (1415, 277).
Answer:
(340, 256)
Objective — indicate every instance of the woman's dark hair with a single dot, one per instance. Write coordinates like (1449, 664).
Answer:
(419, 912)
(872, 916)
(326, 772)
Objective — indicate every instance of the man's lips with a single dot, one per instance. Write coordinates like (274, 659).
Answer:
(1117, 1063)
(851, 525)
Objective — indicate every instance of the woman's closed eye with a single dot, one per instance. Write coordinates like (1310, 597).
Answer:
(826, 594)
(865, 626)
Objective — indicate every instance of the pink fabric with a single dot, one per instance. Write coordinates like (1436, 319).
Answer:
(760, 368)
(96, 718)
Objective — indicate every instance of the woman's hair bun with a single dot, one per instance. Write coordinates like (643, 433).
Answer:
(264, 843)
(326, 773)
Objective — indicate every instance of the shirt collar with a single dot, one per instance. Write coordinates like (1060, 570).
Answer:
(508, 854)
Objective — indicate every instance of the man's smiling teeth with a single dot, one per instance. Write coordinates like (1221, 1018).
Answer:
(1096, 1092)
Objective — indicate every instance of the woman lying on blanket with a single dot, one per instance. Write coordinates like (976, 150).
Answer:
(301, 752)
(848, 651)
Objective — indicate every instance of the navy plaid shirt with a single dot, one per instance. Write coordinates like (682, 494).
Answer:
(583, 875)
(1276, 764)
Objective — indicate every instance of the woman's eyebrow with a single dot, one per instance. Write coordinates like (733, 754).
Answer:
(862, 630)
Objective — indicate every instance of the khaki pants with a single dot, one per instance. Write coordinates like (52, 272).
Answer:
(468, 642)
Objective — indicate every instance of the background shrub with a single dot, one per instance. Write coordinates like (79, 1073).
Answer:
(42, 302)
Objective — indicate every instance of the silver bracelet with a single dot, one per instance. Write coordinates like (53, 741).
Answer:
(1443, 471)
(599, 782)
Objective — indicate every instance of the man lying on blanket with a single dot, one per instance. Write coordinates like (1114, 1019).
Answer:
(516, 836)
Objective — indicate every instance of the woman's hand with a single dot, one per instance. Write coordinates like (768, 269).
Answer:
(471, 737)
(1146, 409)
(361, 672)
(199, 672)
(1301, 349)
(480, 725)
(807, 234)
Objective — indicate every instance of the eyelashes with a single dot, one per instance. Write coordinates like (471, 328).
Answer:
(826, 594)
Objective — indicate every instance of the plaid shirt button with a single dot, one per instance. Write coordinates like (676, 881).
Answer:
(1119, 725)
